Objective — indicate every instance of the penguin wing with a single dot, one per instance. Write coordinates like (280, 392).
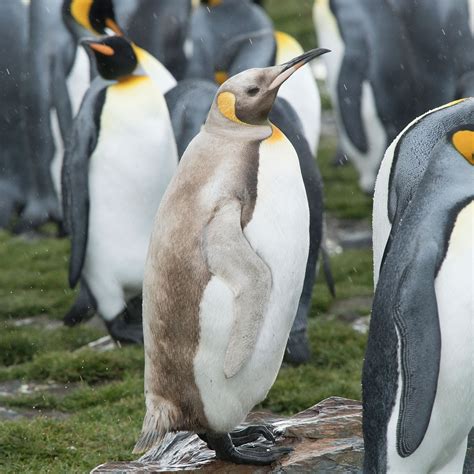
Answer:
(415, 314)
(352, 73)
(75, 176)
(230, 257)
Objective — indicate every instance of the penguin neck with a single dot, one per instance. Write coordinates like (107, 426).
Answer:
(217, 124)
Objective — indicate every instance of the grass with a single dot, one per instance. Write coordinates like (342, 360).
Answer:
(101, 418)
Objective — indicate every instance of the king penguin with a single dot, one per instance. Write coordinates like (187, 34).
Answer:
(225, 271)
(418, 395)
(118, 162)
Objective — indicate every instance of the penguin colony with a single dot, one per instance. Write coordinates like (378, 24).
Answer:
(223, 246)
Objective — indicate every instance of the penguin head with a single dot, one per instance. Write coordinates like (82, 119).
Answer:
(114, 56)
(93, 15)
(248, 96)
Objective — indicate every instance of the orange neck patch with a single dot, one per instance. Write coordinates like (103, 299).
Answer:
(463, 141)
(226, 106)
(130, 81)
(276, 135)
(220, 77)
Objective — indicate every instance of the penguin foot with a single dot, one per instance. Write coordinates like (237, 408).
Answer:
(251, 434)
(339, 159)
(125, 332)
(297, 349)
(83, 308)
(259, 454)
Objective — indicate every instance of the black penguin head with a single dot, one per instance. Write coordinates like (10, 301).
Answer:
(93, 15)
(248, 96)
(114, 56)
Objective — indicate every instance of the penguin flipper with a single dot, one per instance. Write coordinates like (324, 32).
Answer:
(352, 73)
(75, 177)
(231, 258)
(415, 314)
(61, 100)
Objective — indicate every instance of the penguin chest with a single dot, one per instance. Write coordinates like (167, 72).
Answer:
(134, 160)
(279, 228)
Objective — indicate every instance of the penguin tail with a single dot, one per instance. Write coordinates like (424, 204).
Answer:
(160, 418)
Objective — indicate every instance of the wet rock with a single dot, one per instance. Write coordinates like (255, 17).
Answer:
(325, 437)
(41, 321)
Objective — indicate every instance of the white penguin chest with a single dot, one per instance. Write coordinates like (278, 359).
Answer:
(129, 170)
(279, 228)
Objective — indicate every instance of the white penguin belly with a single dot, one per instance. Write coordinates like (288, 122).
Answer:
(129, 171)
(443, 448)
(279, 234)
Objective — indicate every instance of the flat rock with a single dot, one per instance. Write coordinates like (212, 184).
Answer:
(325, 437)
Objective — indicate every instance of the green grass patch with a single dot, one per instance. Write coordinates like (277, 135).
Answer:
(294, 17)
(21, 344)
(84, 365)
(343, 197)
(105, 420)
(33, 279)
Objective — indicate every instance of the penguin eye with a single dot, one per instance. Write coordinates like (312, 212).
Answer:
(253, 91)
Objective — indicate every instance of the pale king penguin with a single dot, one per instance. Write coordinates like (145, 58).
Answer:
(225, 271)
(418, 390)
(118, 162)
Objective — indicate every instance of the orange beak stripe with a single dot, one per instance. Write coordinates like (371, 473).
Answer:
(102, 49)
(113, 26)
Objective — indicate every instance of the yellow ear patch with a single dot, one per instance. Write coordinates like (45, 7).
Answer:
(220, 77)
(463, 141)
(226, 106)
(80, 12)
(214, 3)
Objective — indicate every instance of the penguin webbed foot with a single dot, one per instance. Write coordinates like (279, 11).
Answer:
(250, 434)
(260, 454)
(126, 329)
(297, 350)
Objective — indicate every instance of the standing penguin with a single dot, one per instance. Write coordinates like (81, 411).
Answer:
(14, 176)
(119, 160)
(418, 391)
(225, 271)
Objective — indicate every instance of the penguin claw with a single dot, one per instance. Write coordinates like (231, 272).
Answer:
(260, 454)
(251, 434)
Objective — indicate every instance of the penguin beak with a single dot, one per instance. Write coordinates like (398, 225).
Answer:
(99, 47)
(111, 24)
(286, 70)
